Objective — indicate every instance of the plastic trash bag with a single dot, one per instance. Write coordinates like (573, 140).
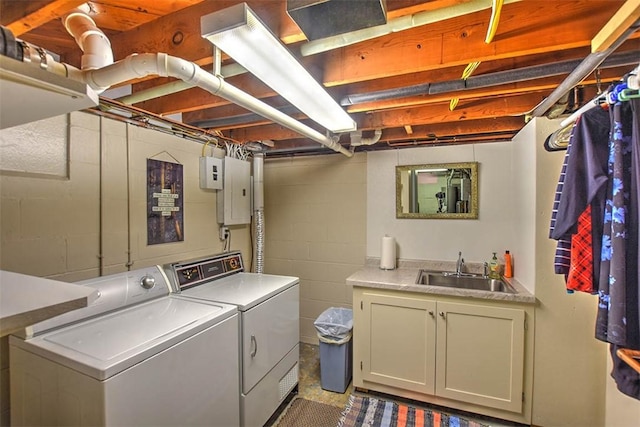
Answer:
(334, 325)
(335, 341)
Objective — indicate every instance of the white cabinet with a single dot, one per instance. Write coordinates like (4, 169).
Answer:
(396, 336)
(480, 354)
(460, 353)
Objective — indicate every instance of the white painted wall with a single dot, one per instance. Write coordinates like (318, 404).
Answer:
(523, 205)
(442, 239)
(621, 410)
(315, 220)
(569, 362)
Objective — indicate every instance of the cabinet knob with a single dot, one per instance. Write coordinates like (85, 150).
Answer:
(431, 313)
(441, 314)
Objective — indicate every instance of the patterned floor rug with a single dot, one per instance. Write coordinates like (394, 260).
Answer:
(373, 412)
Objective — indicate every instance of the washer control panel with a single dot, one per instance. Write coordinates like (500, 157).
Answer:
(191, 273)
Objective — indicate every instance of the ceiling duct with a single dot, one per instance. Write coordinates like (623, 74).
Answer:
(325, 18)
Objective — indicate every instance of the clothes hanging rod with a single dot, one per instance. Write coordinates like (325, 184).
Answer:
(580, 111)
(633, 79)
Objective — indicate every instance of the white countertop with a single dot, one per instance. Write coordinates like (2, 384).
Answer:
(25, 300)
(404, 279)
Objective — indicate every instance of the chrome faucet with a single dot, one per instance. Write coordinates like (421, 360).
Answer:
(459, 264)
(485, 272)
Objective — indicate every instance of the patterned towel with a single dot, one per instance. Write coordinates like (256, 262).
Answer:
(372, 412)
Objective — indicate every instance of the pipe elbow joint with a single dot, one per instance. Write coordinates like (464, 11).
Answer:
(93, 42)
(357, 139)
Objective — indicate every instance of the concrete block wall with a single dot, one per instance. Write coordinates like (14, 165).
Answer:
(315, 221)
(89, 218)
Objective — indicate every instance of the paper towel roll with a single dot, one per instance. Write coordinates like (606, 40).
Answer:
(388, 253)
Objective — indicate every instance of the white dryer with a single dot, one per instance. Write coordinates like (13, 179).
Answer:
(136, 357)
(269, 325)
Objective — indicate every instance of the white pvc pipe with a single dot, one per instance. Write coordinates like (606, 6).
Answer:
(100, 72)
(93, 42)
(174, 87)
(161, 64)
(395, 25)
(357, 139)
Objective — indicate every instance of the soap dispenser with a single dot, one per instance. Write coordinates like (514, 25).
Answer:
(494, 267)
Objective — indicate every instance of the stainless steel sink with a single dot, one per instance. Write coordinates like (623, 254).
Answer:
(464, 281)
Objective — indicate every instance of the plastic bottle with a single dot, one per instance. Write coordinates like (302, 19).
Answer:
(494, 267)
(508, 265)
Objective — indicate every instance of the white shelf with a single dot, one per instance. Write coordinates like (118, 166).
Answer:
(25, 300)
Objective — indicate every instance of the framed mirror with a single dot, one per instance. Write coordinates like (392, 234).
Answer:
(437, 191)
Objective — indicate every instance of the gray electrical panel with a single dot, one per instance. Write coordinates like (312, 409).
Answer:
(234, 200)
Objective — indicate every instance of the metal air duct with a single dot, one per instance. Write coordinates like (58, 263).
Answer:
(324, 18)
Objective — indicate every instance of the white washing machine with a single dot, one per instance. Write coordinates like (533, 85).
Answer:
(138, 356)
(269, 325)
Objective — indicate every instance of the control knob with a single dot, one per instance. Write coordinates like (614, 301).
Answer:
(147, 281)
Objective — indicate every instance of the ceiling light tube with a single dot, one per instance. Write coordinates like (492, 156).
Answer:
(239, 32)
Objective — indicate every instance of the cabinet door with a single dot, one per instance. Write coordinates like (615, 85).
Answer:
(480, 355)
(398, 342)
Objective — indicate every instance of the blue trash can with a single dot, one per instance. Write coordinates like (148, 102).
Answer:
(334, 328)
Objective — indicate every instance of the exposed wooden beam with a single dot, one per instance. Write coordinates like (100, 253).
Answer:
(23, 16)
(460, 40)
(233, 111)
(627, 15)
(479, 126)
(437, 120)
(272, 131)
(398, 8)
(439, 113)
(196, 99)
(179, 34)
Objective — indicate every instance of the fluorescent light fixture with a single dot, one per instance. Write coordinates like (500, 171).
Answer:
(239, 32)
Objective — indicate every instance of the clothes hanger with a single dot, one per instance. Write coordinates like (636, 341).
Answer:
(627, 94)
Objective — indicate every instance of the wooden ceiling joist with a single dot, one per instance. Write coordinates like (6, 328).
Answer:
(626, 16)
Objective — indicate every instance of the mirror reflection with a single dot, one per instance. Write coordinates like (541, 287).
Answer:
(445, 190)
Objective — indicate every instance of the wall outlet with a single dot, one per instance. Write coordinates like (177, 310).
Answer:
(224, 232)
